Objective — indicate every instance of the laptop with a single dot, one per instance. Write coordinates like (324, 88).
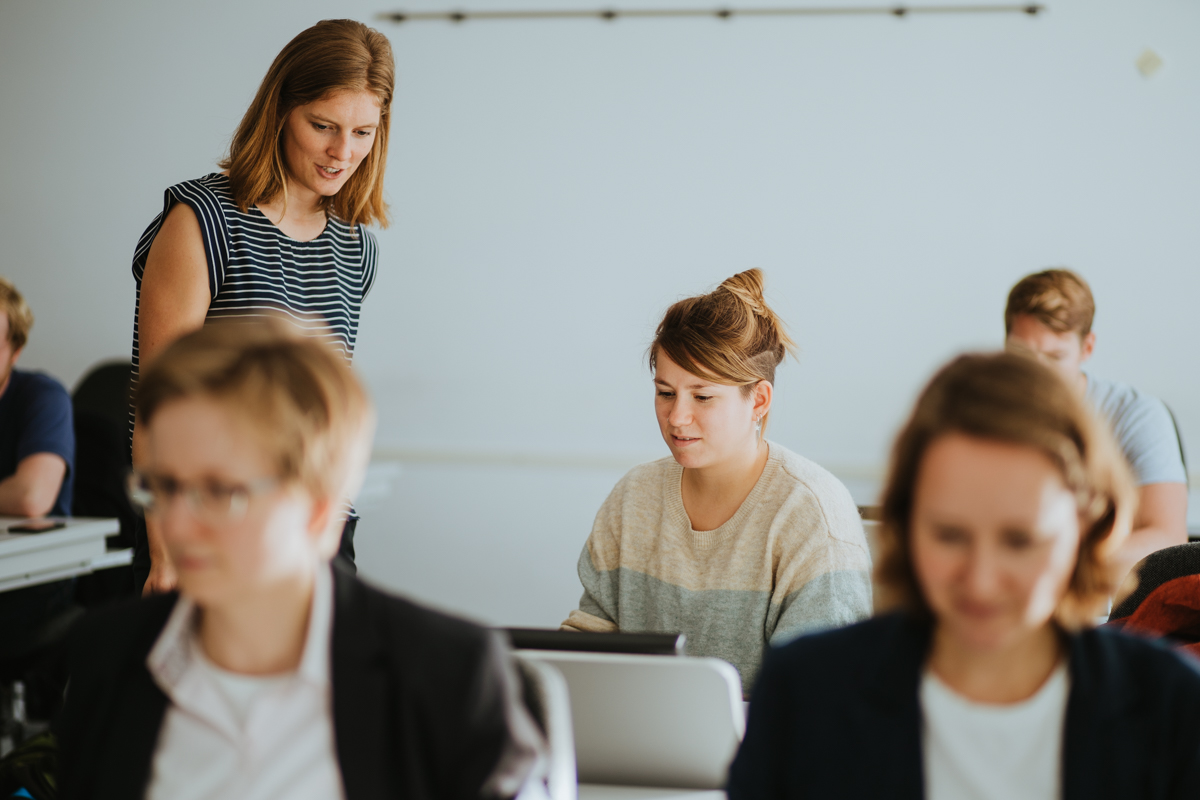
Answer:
(647, 644)
(646, 720)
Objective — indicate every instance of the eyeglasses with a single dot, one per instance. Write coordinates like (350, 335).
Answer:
(216, 501)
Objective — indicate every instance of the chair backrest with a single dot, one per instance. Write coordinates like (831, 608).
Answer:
(105, 391)
(1156, 569)
(651, 721)
(549, 702)
(102, 457)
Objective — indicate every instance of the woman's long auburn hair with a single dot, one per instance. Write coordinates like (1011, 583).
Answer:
(333, 55)
(1010, 398)
(729, 336)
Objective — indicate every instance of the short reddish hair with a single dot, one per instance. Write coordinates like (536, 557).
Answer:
(1058, 298)
(1017, 400)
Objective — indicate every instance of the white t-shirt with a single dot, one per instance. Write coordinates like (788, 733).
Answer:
(982, 751)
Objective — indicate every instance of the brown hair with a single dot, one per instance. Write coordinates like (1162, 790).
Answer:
(1058, 298)
(20, 318)
(729, 336)
(311, 412)
(1010, 398)
(333, 55)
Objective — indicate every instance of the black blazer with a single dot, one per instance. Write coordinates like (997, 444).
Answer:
(837, 715)
(424, 705)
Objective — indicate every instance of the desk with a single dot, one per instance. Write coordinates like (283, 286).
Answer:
(78, 549)
(596, 791)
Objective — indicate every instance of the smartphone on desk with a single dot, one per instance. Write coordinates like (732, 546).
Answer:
(36, 526)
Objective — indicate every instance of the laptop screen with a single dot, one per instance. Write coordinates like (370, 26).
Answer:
(651, 644)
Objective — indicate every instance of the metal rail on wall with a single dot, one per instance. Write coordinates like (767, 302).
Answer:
(611, 14)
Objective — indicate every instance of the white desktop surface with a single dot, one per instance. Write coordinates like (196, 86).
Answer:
(27, 559)
(596, 791)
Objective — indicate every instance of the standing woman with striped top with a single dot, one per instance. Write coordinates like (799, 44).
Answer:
(280, 231)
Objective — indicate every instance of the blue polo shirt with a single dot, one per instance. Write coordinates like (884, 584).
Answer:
(35, 417)
(1144, 429)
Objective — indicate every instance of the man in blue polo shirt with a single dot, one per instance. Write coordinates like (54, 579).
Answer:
(37, 437)
(1049, 315)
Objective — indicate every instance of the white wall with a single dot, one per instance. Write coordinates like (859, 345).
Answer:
(556, 184)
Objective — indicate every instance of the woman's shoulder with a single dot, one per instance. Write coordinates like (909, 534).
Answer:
(355, 233)
(646, 481)
(799, 471)
(1150, 691)
(210, 198)
(802, 486)
(214, 185)
(651, 471)
(868, 639)
(409, 626)
(1149, 664)
(107, 638)
(356, 243)
(879, 650)
(366, 235)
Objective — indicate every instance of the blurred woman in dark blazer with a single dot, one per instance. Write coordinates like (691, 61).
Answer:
(1004, 500)
(271, 674)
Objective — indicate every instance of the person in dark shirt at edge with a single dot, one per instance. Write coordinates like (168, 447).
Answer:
(37, 440)
(37, 464)
(271, 672)
(1006, 498)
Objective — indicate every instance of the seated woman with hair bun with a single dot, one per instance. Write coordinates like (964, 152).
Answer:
(733, 540)
(1005, 503)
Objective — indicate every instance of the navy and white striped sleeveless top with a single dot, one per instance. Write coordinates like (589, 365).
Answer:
(255, 269)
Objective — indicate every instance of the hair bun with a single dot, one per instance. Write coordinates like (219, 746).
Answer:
(748, 287)
(729, 336)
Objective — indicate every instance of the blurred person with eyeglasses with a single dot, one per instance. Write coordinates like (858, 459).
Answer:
(272, 672)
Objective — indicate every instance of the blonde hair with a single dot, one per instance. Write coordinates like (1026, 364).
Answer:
(310, 411)
(20, 318)
(1010, 398)
(333, 55)
(1058, 298)
(729, 336)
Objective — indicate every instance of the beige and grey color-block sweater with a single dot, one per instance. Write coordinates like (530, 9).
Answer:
(793, 559)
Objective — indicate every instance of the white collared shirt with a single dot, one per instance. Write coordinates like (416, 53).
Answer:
(250, 737)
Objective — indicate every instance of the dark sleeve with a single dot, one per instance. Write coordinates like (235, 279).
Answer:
(81, 712)
(1183, 705)
(1188, 785)
(206, 205)
(370, 263)
(46, 426)
(754, 773)
(112, 710)
(498, 746)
